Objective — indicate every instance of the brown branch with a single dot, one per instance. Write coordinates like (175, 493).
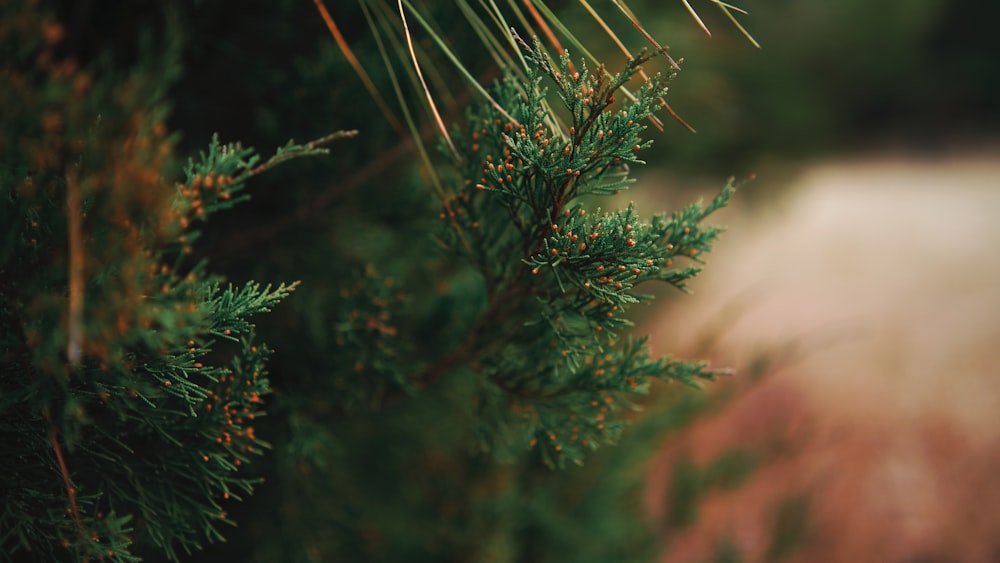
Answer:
(547, 31)
(70, 489)
(74, 215)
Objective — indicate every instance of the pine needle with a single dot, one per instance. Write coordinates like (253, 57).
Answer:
(490, 41)
(443, 194)
(547, 31)
(697, 18)
(497, 15)
(621, 46)
(520, 17)
(726, 5)
(726, 10)
(620, 4)
(458, 64)
(358, 69)
(427, 93)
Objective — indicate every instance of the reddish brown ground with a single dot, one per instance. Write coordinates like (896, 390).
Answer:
(882, 280)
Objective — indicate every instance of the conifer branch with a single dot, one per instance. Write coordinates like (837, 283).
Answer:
(519, 320)
(292, 151)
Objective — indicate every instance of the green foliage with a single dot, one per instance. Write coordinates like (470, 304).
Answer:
(131, 383)
(555, 273)
(129, 377)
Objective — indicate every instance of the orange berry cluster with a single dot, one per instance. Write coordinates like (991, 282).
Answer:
(585, 427)
(193, 195)
(232, 406)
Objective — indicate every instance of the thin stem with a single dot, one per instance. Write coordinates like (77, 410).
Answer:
(697, 18)
(358, 68)
(64, 470)
(289, 155)
(450, 55)
(420, 75)
(548, 31)
(74, 213)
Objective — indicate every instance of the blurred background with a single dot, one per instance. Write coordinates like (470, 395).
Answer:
(854, 294)
(861, 313)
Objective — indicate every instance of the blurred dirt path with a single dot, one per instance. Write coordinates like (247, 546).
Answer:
(883, 279)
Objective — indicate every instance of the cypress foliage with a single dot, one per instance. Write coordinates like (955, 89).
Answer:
(548, 349)
(130, 378)
(425, 388)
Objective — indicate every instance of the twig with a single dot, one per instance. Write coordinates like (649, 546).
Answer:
(288, 155)
(74, 215)
(70, 489)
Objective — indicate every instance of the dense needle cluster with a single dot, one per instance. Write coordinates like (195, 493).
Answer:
(131, 384)
(130, 381)
(557, 271)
